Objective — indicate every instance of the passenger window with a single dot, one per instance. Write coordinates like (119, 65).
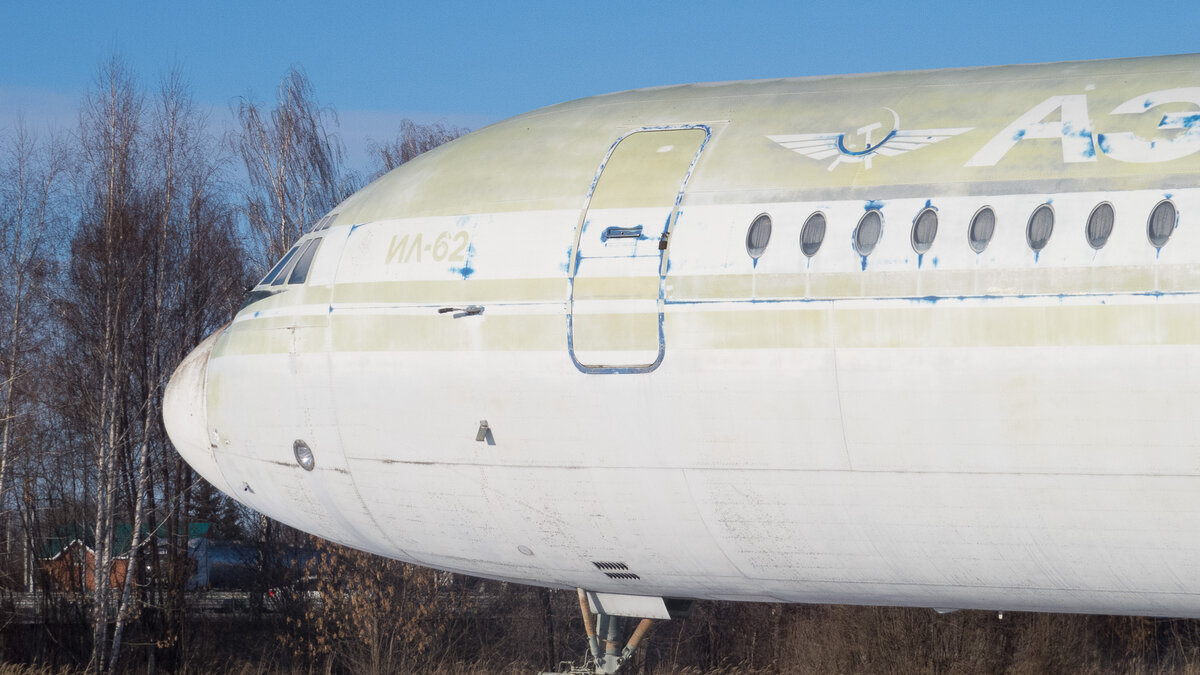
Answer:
(983, 226)
(1161, 223)
(924, 230)
(813, 234)
(758, 236)
(1041, 226)
(278, 266)
(303, 262)
(868, 232)
(1100, 225)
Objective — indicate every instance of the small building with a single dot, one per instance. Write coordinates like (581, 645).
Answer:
(68, 561)
(73, 568)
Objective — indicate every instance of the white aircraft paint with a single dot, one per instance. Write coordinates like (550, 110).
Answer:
(1007, 429)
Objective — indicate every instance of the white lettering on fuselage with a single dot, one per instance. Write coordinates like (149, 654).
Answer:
(1079, 139)
(1074, 130)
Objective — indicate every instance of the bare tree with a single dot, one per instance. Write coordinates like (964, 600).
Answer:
(412, 140)
(30, 186)
(105, 262)
(293, 162)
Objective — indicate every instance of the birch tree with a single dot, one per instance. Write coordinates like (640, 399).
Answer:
(293, 162)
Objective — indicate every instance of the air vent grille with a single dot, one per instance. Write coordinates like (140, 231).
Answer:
(628, 576)
(609, 565)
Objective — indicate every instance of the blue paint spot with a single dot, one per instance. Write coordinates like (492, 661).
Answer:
(929, 203)
(873, 205)
(935, 261)
(1019, 135)
(465, 271)
(1148, 103)
(668, 266)
(1102, 141)
(1190, 121)
(1036, 255)
(354, 227)
(1167, 195)
(920, 259)
(255, 315)
(864, 262)
(754, 262)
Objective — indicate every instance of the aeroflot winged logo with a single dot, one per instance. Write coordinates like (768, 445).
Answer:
(898, 141)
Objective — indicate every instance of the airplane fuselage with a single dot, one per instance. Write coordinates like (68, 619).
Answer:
(689, 393)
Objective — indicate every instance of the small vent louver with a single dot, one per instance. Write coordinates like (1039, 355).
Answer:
(628, 576)
(609, 565)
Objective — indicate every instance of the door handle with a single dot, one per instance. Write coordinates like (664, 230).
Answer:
(621, 233)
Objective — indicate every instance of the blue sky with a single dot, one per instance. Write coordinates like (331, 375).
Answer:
(478, 62)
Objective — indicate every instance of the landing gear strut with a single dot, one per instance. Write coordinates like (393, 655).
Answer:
(610, 660)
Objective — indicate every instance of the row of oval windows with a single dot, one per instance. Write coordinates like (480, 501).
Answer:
(983, 225)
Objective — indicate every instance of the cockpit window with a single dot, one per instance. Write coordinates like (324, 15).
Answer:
(303, 262)
(293, 269)
(278, 266)
(324, 223)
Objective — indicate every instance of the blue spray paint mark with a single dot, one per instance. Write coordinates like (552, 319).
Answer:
(1036, 255)
(864, 262)
(873, 204)
(466, 270)
(1019, 135)
(929, 203)
(935, 261)
(1148, 103)
(1104, 144)
(353, 228)
(920, 259)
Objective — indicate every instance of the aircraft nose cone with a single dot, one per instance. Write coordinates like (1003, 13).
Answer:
(185, 413)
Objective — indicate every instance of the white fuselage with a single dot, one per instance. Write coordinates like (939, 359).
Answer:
(1003, 429)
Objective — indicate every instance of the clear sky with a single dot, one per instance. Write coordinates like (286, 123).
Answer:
(478, 62)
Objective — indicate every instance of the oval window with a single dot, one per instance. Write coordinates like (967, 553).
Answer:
(813, 234)
(1100, 225)
(924, 230)
(758, 236)
(1161, 223)
(983, 226)
(867, 233)
(1041, 226)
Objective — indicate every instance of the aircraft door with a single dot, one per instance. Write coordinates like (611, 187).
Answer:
(614, 324)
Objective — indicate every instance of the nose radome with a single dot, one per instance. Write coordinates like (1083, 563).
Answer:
(185, 413)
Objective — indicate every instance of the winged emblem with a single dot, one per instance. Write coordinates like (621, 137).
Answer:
(898, 141)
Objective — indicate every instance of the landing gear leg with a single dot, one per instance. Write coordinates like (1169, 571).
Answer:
(613, 657)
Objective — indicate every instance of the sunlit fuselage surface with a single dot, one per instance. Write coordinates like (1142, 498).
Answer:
(974, 385)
